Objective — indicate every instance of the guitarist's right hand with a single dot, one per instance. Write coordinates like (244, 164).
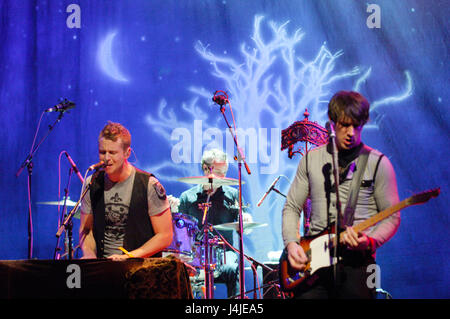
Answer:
(296, 256)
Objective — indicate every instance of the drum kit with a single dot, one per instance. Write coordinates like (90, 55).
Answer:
(203, 257)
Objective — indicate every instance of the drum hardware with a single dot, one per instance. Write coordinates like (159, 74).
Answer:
(237, 206)
(207, 229)
(204, 207)
(208, 268)
(235, 226)
(254, 262)
(210, 179)
(185, 230)
(216, 255)
(65, 201)
(203, 257)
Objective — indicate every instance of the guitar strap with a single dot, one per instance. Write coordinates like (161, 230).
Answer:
(349, 211)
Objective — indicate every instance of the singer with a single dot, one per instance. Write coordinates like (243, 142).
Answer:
(376, 190)
(125, 206)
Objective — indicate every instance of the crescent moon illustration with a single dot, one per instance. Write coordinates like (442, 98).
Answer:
(106, 61)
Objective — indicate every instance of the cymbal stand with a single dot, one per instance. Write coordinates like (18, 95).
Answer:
(255, 265)
(254, 262)
(209, 272)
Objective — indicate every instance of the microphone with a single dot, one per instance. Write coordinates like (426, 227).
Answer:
(61, 107)
(74, 167)
(330, 129)
(269, 190)
(97, 166)
(220, 99)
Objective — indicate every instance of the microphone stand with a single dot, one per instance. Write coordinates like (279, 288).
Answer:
(338, 204)
(240, 159)
(254, 270)
(68, 238)
(28, 163)
(277, 191)
(67, 224)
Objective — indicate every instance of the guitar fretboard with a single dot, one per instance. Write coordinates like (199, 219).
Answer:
(380, 216)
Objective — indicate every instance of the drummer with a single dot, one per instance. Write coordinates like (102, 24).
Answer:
(224, 209)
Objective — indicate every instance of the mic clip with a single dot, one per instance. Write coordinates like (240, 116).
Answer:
(220, 97)
(62, 107)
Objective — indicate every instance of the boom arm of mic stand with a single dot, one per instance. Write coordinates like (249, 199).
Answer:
(277, 191)
(240, 156)
(29, 157)
(74, 209)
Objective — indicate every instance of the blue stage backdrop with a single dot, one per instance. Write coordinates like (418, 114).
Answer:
(154, 66)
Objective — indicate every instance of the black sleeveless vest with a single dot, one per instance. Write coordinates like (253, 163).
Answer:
(139, 227)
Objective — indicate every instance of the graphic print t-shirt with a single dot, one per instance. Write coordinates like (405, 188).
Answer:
(117, 203)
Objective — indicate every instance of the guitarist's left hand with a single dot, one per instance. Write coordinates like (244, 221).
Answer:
(353, 240)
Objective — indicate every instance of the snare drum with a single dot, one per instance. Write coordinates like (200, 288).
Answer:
(183, 243)
(216, 256)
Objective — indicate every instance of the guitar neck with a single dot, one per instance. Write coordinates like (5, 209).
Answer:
(380, 216)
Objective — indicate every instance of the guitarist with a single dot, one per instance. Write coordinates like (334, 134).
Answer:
(349, 112)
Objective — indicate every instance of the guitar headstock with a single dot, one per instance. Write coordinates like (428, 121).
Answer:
(424, 196)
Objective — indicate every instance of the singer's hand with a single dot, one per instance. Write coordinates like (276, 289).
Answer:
(118, 257)
(296, 256)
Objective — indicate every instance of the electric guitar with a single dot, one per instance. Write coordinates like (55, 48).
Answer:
(319, 248)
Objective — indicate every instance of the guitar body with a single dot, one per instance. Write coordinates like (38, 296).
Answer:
(318, 249)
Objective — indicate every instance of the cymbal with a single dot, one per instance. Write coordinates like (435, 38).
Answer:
(237, 206)
(235, 226)
(69, 203)
(207, 180)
